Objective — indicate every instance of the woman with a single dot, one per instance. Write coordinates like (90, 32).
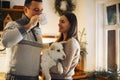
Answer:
(68, 29)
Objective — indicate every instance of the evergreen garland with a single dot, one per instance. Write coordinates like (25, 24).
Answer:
(70, 6)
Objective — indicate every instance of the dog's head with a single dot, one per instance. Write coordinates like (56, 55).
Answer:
(56, 51)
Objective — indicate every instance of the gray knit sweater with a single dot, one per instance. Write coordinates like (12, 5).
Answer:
(25, 55)
(72, 50)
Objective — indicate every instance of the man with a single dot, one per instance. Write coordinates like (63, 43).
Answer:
(24, 37)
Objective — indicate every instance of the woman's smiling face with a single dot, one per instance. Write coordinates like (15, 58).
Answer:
(64, 24)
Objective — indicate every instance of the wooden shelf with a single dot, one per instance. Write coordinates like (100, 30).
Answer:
(11, 9)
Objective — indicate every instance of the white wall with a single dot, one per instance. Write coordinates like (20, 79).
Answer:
(86, 14)
(100, 55)
(52, 26)
(90, 31)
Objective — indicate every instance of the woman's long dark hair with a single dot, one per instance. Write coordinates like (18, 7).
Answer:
(72, 32)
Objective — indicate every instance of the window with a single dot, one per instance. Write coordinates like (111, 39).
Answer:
(111, 15)
(112, 34)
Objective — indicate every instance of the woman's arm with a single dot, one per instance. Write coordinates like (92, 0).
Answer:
(70, 50)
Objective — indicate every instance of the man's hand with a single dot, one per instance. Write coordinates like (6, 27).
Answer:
(33, 22)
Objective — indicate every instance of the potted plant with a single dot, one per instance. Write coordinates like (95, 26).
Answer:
(107, 75)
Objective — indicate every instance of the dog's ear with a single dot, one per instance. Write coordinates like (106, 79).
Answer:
(63, 43)
(52, 47)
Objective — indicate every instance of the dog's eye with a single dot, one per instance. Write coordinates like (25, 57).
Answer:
(58, 50)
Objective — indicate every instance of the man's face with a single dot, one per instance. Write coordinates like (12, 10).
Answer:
(34, 9)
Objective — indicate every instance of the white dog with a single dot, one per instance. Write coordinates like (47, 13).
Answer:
(51, 57)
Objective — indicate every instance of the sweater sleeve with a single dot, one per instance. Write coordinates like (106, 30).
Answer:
(12, 34)
(70, 51)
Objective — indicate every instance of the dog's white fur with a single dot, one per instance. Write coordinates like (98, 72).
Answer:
(50, 57)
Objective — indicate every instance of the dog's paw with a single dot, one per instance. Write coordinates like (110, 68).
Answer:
(60, 68)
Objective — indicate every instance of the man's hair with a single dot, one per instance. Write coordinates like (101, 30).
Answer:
(28, 2)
